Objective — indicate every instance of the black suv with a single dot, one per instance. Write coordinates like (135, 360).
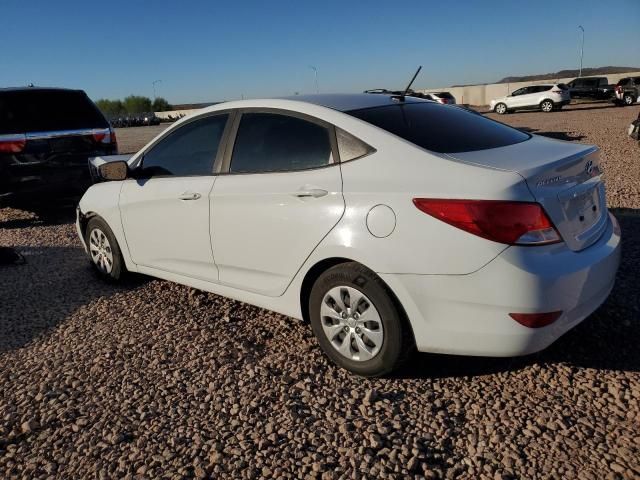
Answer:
(591, 87)
(46, 138)
(628, 90)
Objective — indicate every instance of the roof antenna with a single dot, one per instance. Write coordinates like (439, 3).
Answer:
(404, 94)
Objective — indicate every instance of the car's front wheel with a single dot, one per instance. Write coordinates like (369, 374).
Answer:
(104, 251)
(501, 108)
(546, 106)
(357, 322)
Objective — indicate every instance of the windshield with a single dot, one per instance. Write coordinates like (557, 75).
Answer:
(441, 128)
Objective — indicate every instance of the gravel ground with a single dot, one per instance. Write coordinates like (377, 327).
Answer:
(154, 380)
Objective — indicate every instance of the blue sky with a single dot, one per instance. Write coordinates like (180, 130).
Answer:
(208, 50)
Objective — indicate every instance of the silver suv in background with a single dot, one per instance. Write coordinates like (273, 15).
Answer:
(547, 98)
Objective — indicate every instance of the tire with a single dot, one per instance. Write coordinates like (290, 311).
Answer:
(547, 106)
(104, 252)
(371, 341)
(500, 108)
(628, 99)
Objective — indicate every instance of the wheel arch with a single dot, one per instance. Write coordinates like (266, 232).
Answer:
(323, 265)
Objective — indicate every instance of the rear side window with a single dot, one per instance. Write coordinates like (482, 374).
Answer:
(444, 95)
(42, 110)
(189, 150)
(441, 128)
(269, 142)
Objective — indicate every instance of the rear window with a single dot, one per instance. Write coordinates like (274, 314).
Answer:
(440, 128)
(563, 86)
(27, 111)
(444, 95)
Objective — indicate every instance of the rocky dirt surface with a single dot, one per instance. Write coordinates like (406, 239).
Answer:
(150, 379)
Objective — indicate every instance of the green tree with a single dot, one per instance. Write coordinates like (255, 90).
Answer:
(160, 105)
(137, 104)
(110, 108)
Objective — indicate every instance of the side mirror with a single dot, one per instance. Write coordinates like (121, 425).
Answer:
(114, 170)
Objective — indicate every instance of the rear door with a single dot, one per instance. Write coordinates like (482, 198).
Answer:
(165, 209)
(281, 194)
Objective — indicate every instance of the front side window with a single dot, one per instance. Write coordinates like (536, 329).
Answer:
(269, 142)
(189, 150)
(520, 91)
(441, 128)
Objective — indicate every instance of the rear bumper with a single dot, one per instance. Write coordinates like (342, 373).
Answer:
(469, 314)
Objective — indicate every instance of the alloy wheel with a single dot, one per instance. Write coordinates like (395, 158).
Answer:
(547, 106)
(351, 323)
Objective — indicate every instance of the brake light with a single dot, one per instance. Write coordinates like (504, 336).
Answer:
(106, 136)
(513, 223)
(536, 320)
(12, 143)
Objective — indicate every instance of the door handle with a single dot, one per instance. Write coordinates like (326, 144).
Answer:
(190, 196)
(312, 192)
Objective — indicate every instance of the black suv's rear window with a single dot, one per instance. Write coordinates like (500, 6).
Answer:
(440, 128)
(42, 110)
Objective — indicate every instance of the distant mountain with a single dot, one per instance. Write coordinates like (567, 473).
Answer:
(586, 72)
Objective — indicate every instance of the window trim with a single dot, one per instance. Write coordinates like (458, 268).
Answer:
(224, 167)
(139, 162)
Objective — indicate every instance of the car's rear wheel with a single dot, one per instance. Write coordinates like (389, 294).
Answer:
(546, 106)
(104, 251)
(357, 321)
(500, 108)
(628, 99)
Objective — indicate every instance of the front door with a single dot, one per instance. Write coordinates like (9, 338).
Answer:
(165, 209)
(281, 196)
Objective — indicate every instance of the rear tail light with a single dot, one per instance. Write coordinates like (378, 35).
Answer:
(12, 143)
(557, 91)
(106, 136)
(513, 223)
(536, 320)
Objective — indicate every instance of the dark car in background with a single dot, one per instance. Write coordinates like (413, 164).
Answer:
(628, 90)
(47, 136)
(597, 88)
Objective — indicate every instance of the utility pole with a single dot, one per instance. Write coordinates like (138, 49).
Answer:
(581, 49)
(154, 87)
(315, 71)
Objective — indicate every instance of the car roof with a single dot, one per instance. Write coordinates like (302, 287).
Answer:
(35, 89)
(345, 102)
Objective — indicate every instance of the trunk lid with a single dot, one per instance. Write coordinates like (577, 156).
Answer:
(564, 177)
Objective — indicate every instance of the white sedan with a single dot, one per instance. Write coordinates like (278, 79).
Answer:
(389, 223)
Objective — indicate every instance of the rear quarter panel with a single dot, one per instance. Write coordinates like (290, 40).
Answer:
(419, 243)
